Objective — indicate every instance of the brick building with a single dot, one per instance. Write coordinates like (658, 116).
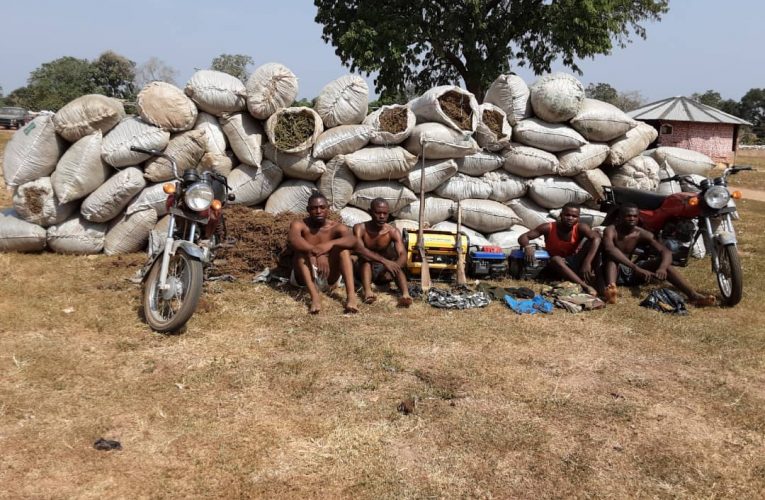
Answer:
(685, 123)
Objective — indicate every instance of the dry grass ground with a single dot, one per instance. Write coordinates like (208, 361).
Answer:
(258, 399)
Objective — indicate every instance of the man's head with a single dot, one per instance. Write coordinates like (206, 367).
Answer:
(629, 215)
(569, 215)
(379, 211)
(318, 208)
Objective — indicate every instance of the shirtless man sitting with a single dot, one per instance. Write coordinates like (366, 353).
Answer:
(322, 253)
(382, 256)
(620, 241)
(571, 256)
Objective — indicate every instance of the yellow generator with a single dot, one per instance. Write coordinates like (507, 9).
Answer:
(440, 248)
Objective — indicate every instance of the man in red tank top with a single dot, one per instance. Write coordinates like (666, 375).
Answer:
(571, 244)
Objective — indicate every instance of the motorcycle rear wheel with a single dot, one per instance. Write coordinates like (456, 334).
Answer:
(729, 276)
(168, 311)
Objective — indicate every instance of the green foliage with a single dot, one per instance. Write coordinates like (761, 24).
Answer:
(113, 76)
(752, 108)
(303, 103)
(714, 99)
(426, 42)
(233, 64)
(2, 97)
(626, 101)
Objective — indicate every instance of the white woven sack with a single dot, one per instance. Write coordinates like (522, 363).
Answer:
(215, 139)
(531, 214)
(405, 225)
(36, 202)
(270, 88)
(493, 131)
(385, 133)
(337, 183)
(687, 187)
(86, 115)
(556, 98)
(434, 173)
(81, 170)
(427, 107)
(32, 152)
(245, 135)
(343, 101)
(77, 236)
(641, 172)
(684, 161)
(436, 210)
(216, 92)
(552, 137)
(158, 236)
(297, 166)
(272, 126)
(530, 162)
(115, 149)
(220, 164)
(593, 181)
(667, 188)
(18, 235)
(397, 195)
(511, 94)
(166, 106)
(479, 163)
(508, 240)
(553, 192)
(474, 237)
(461, 187)
(631, 144)
(291, 196)
(342, 140)
(152, 197)
(106, 202)
(487, 216)
(375, 163)
(253, 185)
(186, 148)
(601, 121)
(129, 233)
(584, 158)
(505, 186)
(440, 142)
(352, 216)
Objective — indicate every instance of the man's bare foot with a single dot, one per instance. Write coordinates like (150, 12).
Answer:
(611, 293)
(703, 300)
(405, 301)
(351, 307)
(315, 307)
(590, 290)
(370, 298)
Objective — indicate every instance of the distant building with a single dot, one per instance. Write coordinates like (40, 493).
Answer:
(685, 123)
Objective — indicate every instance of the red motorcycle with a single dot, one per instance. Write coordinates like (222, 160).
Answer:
(679, 219)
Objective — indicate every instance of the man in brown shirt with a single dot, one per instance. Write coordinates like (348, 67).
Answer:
(322, 253)
(382, 256)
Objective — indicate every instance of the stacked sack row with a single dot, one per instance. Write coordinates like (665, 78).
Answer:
(510, 162)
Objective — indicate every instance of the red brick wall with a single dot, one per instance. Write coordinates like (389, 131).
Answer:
(713, 139)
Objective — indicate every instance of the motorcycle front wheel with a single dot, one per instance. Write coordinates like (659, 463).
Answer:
(168, 310)
(729, 276)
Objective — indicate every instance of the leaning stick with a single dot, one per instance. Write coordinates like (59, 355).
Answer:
(461, 280)
(424, 268)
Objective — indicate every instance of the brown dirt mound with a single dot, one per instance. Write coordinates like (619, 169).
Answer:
(293, 129)
(493, 120)
(260, 240)
(393, 120)
(457, 107)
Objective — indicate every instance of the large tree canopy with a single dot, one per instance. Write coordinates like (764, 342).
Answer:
(233, 64)
(432, 42)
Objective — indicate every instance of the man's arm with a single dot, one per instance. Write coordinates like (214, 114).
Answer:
(295, 237)
(398, 245)
(595, 239)
(666, 254)
(525, 238)
(341, 237)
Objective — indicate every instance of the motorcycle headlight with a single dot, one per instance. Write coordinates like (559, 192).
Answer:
(716, 197)
(199, 196)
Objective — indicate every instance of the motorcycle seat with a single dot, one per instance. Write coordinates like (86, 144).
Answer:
(643, 199)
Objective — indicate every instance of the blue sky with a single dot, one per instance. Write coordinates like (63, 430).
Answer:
(699, 45)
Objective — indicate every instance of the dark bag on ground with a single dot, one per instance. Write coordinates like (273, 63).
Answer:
(665, 300)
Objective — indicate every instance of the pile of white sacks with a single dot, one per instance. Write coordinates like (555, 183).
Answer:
(519, 156)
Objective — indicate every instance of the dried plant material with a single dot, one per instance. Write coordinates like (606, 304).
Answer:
(493, 120)
(293, 129)
(457, 107)
(393, 120)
